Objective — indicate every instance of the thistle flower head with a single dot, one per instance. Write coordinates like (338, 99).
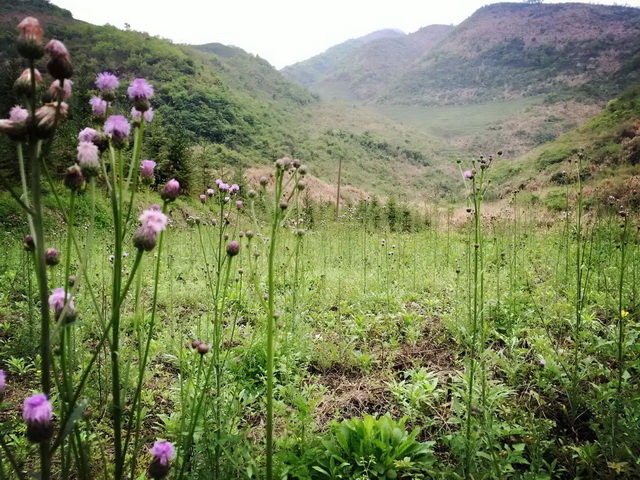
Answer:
(203, 198)
(468, 174)
(152, 222)
(37, 408)
(233, 248)
(162, 453)
(170, 191)
(52, 257)
(140, 91)
(117, 128)
(73, 179)
(107, 82)
(137, 115)
(147, 169)
(239, 205)
(59, 64)
(57, 300)
(234, 189)
(48, 116)
(210, 192)
(18, 114)
(22, 85)
(98, 106)
(87, 135)
(54, 89)
(30, 38)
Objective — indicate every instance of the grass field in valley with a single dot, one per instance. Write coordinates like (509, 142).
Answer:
(370, 322)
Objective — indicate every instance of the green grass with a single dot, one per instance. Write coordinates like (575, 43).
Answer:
(456, 120)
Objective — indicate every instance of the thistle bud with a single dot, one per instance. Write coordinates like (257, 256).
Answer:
(249, 234)
(22, 85)
(283, 205)
(74, 180)
(52, 257)
(28, 244)
(233, 248)
(301, 185)
(251, 193)
(170, 191)
(59, 64)
(30, 39)
(303, 170)
(48, 117)
(203, 348)
(264, 181)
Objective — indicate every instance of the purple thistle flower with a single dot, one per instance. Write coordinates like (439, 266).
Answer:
(170, 191)
(211, 192)
(239, 204)
(203, 198)
(37, 412)
(468, 174)
(137, 115)
(224, 187)
(118, 128)
(30, 38)
(234, 189)
(147, 169)
(37, 408)
(88, 159)
(2, 382)
(107, 82)
(543, 362)
(233, 248)
(98, 106)
(140, 92)
(47, 117)
(162, 453)
(140, 88)
(59, 64)
(54, 89)
(18, 114)
(155, 207)
(57, 301)
(87, 135)
(152, 222)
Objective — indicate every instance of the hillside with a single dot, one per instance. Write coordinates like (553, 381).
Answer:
(308, 72)
(611, 166)
(235, 106)
(364, 72)
(512, 76)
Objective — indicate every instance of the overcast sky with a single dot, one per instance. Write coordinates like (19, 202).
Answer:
(281, 31)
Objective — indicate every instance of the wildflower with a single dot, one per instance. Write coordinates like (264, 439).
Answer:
(88, 159)
(52, 257)
(98, 107)
(170, 191)
(54, 89)
(223, 187)
(140, 92)
(30, 39)
(37, 412)
(203, 348)
(22, 85)
(203, 198)
(59, 64)
(543, 362)
(147, 169)
(195, 343)
(87, 135)
(302, 170)
(264, 181)
(73, 179)
(57, 301)
(2, 383)
(234, 189)
(117, 128)
(107, 83)
(210, 192)
(16, 126)
(162, 453)
(233, 248)
(152, 222)
(239, 204)
(468, 174)
(137, 115)
(28, 244)
(624, 314)
(48, 116)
